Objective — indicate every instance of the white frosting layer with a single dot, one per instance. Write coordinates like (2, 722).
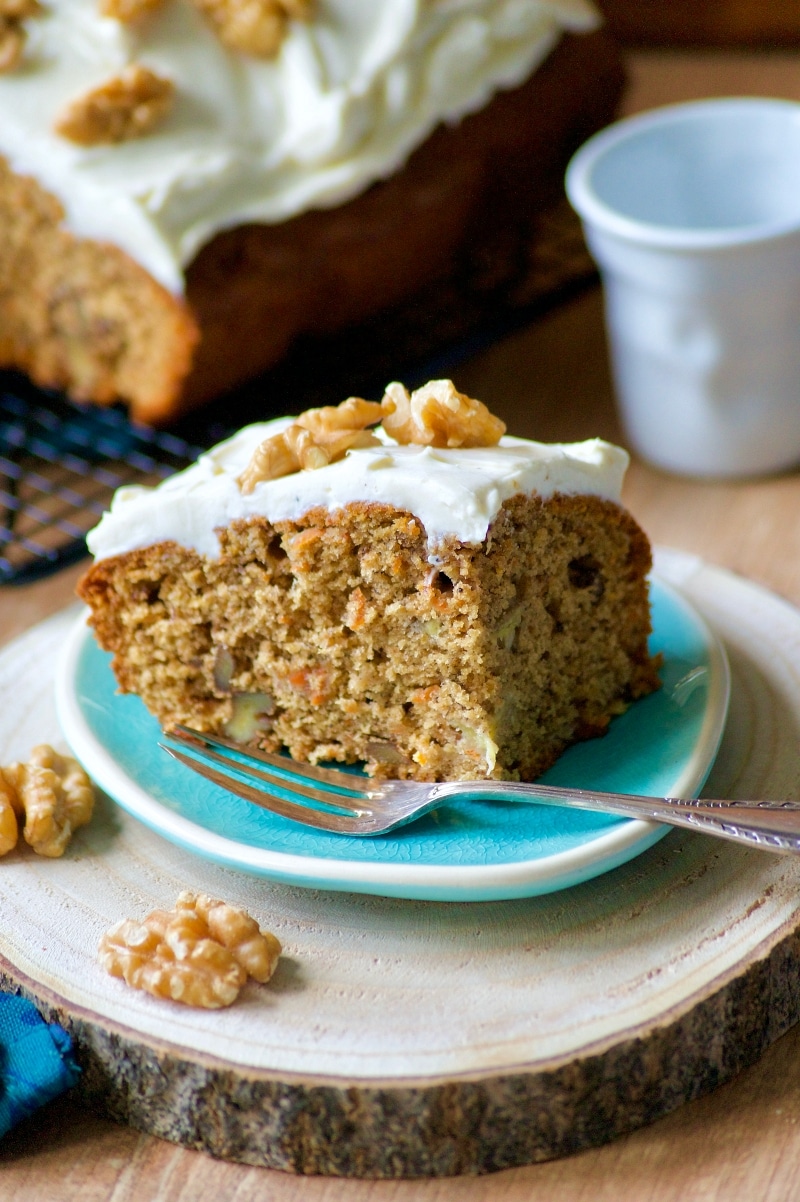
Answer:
(452, 492)
(350, 95)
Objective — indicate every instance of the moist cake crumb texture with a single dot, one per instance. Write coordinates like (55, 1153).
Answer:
(81, 315)
(343, 635)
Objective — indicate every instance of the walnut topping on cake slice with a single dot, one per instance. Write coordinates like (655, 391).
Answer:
(137, 100)
(12, 31)
(19, 10)
(317, 438)
(129, 10)
(253, 26)
(125, 107)
(438, 415)
(12, 44)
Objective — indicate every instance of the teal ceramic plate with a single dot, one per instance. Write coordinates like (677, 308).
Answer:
(469, 851)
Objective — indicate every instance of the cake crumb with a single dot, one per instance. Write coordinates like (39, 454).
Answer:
(49, 795)
(200, 954)
(127, 106)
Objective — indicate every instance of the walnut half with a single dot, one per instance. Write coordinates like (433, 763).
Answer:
(13, 34)
(12, 44)
(438, 415)
(50, 794)
(317, 438)
(255, 27)
(125, 107)
(201, 953)
(128, 11)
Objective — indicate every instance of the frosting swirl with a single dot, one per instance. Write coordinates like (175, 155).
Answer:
(350, 94)
(452, 492)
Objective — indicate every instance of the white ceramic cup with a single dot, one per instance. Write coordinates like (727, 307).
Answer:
(692, 213)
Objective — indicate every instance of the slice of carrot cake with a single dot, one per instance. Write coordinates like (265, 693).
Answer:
(426, 595)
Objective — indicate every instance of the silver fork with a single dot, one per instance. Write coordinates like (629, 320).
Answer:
(346, 804)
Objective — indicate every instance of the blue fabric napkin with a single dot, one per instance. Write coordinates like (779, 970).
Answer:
(37, 1061)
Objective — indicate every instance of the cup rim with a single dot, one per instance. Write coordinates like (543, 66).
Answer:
(596, 212)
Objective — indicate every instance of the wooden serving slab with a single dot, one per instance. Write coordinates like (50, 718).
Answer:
(404, 1038)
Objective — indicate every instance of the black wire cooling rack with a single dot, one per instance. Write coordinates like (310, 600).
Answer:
(60, 462)
(59, 465)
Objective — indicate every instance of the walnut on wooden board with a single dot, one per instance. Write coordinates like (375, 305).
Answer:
(127, 106)
(201, 953)
(10, 813)
(255, 27)
(438, 415)
(49, 795)
(318, 437)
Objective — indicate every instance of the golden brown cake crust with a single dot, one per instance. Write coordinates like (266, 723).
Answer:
(82, 316)
(335, 637)
(335, 268)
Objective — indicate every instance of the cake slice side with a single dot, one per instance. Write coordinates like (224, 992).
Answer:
(82, 315)
(565, 617)
(336, 636)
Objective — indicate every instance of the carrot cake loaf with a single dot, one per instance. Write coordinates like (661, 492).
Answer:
(426, 595)
(187, 186)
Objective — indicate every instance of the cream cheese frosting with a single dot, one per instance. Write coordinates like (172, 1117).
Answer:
(351, 93)
(452, 492)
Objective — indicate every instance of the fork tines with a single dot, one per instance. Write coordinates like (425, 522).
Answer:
(283, 766)
(279, 784)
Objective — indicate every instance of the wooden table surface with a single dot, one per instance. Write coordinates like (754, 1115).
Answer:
(743, 1141)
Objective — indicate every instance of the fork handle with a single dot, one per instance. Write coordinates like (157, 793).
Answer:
(773, 825)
